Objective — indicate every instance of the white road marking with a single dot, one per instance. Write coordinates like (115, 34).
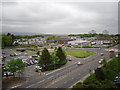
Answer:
(53, 71)
(15, 86)
(50, 77)
(41, 81)
(30, 86)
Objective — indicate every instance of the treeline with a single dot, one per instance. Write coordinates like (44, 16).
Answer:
(52, 37)
(103, 77)
(91, 35)
(28, 37)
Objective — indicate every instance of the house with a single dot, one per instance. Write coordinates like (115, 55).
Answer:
(59, 40)
(37, 40)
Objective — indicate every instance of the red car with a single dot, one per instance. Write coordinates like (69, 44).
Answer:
(4, 56)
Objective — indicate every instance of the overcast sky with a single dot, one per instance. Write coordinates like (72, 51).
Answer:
(59, 17)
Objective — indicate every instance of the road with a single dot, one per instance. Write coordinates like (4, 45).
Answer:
(66, 76)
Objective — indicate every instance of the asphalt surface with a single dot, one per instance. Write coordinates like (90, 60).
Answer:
(66, 76)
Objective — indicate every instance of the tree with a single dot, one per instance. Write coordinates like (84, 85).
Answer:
(55, 58)
(15, 65)
(44, 58)
(19, 66)
(38, 53)
(6, 40)
(8, 34)
(99, 74)
(104, 62)
(52, 37)
(12, 66)
(61, 55)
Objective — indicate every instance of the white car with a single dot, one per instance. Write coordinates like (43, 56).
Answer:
(79, 63)
(100, 61)
(38, 67)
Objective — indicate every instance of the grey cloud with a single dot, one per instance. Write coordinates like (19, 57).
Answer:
(60, 17)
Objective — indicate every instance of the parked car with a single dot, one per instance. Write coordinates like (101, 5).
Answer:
(3, 52)
(8, 74)
(35, 57)
(13, 54)
(27, 64)
(117, 79)
(31, 62)
(4, 56)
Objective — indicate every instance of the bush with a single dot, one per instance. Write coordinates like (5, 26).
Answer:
(99, 74)
(63, 62)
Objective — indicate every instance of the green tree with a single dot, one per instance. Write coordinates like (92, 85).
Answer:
(61, 55)
(12, 66)
(99, 74)
(104, 62)
(38, 53)
(55, 58)
(44, 58)
(53, 37)
(15, 65)
(19, 66)
(6, 40)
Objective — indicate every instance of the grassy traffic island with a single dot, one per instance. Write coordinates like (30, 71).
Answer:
(78, 53)
(103, 77)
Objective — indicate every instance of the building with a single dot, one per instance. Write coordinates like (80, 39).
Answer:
(59, 40)
(79, 42)
(104, 40)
